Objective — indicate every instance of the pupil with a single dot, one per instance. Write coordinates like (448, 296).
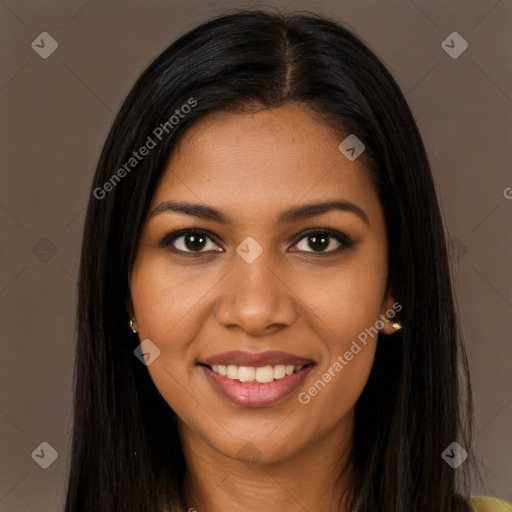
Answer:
(194, 241)
(197, 241)
(318, 242)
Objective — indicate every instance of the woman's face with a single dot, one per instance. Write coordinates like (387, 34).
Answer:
(253, 294)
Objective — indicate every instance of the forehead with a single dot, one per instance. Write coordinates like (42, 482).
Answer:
(263, 160)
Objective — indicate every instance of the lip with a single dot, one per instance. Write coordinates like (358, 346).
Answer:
(254, 394)
(270, 358)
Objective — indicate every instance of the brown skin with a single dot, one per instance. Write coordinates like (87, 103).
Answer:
(294, 297)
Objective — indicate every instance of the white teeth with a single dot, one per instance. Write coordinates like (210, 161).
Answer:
(246, 373)
(232, 371)
(261, 374)
(264, 374)
(279, 371)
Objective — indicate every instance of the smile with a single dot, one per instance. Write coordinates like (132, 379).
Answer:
(261, 374)
(256, 380)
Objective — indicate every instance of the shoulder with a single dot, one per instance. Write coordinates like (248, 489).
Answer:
(487, 504)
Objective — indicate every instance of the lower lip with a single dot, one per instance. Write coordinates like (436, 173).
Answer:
(254, 394)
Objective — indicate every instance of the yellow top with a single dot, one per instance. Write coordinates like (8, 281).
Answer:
(487, 504)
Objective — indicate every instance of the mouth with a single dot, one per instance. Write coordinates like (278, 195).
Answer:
(255, 380)
(260, 374)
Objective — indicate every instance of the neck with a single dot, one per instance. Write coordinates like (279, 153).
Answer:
(312, 479)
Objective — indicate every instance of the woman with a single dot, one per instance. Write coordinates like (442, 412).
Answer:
(265, 316)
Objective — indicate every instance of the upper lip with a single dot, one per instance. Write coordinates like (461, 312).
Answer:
(241, 358)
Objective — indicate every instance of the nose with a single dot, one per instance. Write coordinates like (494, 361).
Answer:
(256, 297)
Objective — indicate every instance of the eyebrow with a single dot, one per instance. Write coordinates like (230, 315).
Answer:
(294, 214)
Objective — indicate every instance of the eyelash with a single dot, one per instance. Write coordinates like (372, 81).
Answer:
(344, 240)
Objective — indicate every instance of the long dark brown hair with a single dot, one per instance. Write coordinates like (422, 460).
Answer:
(126, 453)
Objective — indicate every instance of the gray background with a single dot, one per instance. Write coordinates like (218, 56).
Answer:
(56, 113)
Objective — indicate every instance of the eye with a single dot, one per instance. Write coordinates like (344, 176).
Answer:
(190, 241)
(320, 239)
(196, 242)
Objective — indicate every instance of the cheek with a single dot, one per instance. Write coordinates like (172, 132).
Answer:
(349, 346)
(165, 297)
(167, 304)
(347, 299)
(347, 306)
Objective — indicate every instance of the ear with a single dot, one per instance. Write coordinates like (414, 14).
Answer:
(128, 307)
(389, 313)
(129, 311)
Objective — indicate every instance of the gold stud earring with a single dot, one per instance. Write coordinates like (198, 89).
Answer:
(397, 326)
(131, 325)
